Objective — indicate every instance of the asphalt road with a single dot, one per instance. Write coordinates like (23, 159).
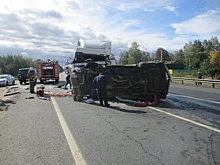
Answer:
(183, 129)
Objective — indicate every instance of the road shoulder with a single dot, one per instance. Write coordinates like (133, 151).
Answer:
(8, 98)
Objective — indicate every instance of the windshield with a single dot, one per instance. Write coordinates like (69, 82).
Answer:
(3, 76)
(82, 57)
(23, 72)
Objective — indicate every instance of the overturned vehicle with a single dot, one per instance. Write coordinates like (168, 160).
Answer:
(141, 82)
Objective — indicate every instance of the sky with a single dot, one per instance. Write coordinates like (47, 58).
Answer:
(50, 29)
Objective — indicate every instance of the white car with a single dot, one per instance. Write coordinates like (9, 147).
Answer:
(6, 79)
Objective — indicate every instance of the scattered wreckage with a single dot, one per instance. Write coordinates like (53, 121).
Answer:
(143, 82)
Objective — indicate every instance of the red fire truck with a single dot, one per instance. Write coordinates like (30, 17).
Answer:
(48, 70)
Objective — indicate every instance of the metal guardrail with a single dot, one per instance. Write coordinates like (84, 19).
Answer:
(209, 81)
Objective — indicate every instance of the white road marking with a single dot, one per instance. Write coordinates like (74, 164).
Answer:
(185, 119)
(200, 99)
(76, 153)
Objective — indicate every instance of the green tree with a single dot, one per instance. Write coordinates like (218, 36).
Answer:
(179, 56)
(162, 55)
(11, 63)
(194, 54)
(134, 55)
(123, 58)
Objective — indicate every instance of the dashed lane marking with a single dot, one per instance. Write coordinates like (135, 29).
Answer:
(76, 153)
(185, 119)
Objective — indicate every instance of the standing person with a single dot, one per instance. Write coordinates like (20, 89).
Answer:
(76, 79)
(67, 78)
(100, 82)
(32, 79)
(199, 77)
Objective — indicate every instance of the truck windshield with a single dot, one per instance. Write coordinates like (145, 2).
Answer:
(82, 57)
(23, 72)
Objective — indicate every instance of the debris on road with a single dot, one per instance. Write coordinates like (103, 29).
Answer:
(29, 97)
(137, 103)
(132, 102)
(11, 93)
(41, 95)
(61, 95)
(90, 101)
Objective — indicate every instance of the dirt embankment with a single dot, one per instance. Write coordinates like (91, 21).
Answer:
(8, 97)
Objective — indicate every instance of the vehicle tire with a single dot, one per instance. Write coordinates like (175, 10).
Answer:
(7, 83)
(74, 98)
(21, 82)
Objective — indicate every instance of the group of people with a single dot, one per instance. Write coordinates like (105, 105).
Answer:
(100, 83)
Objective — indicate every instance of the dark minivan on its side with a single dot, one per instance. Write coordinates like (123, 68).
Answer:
(22, 75)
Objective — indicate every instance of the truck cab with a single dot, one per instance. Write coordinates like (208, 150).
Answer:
(98, 52)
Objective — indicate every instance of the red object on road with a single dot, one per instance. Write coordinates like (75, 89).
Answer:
(141, 104)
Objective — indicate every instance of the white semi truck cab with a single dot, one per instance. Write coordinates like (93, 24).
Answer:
(95, 51)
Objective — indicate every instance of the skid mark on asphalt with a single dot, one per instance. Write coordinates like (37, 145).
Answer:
(76, 153)
(185, 119)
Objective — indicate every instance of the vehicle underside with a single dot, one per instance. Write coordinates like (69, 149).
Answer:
(136, 82)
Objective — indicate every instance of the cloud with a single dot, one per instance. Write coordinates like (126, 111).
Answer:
(51, 28)
(205, 25)
(172, 9)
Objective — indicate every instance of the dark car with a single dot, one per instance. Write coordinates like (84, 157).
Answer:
(22, 75)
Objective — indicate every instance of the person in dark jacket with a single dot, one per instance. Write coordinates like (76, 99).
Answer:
(101, 82)
(67, 78)
(199, 77)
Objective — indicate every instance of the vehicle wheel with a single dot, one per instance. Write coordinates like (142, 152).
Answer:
(74, 98)
(13, 83)
(7, 83)
(21, 82)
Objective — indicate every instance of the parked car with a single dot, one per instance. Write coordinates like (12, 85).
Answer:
(23, 75)
(6, 79)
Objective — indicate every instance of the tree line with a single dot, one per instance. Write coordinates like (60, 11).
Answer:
(203, 56)
(10, 64)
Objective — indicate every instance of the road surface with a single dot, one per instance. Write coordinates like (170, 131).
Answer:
(183, 129)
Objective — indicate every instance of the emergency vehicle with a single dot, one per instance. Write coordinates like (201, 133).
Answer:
(48, 70)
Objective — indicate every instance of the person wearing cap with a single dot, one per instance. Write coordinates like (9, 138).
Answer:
(76, 79)
(101, 82)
